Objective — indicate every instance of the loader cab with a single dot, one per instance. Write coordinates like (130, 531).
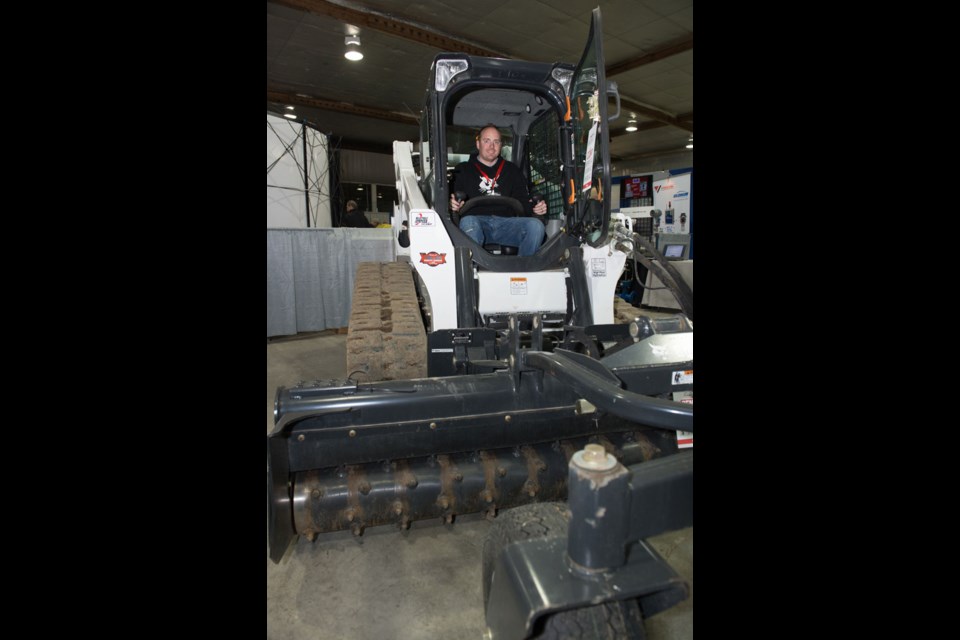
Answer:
(553, 121)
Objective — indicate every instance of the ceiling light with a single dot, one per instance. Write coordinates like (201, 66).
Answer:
(632, 128)
(689, 146)
(353, 48)
(292, 116)
(289, 107)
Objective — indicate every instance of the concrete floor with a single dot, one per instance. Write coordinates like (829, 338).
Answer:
(421, 583)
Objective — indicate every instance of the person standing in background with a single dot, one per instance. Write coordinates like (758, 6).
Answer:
(354, 217)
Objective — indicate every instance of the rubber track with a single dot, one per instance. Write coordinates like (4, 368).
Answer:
(386, 339)
(623, 311)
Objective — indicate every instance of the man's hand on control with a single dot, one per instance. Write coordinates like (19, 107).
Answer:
(540, 208)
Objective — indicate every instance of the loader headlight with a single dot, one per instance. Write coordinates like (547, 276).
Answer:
(562, 76)
(446, 69)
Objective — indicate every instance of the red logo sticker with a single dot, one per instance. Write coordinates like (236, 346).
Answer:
(433, 258)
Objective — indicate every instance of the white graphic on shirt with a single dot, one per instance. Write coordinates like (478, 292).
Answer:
(488, 187)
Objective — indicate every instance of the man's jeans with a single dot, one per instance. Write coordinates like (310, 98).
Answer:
(524, 233)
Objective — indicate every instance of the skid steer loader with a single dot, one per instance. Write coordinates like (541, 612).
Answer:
(480, 381)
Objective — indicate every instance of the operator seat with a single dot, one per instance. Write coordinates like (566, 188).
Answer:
(501, 249)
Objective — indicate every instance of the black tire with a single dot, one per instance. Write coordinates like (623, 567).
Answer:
(618, 620)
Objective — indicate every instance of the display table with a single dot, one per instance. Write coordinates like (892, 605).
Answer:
(663, 297)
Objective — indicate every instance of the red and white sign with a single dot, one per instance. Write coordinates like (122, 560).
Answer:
(423, 219)
(433, 258)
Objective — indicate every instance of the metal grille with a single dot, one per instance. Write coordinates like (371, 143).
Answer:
(543, 152)
(643, 226)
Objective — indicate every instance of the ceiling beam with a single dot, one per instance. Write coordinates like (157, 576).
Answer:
(389, 25)
(678, 46)
(656, 114)
(343, 107)
(424, 35)
(651, 154)
(672, 49)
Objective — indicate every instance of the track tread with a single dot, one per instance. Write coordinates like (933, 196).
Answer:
(623, 311)
(386, 339)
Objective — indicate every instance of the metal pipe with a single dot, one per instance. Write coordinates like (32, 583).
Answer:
(599, 507)
(605, 394)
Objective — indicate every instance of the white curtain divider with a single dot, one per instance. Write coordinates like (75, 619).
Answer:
(310, 275)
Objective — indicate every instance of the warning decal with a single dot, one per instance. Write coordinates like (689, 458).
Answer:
(683, 377)
(684, 438)
(518, 286)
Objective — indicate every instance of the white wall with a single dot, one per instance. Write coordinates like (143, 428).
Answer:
(673, 193)
(286, 204)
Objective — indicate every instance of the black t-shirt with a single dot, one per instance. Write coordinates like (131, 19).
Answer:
(477, 179)
(355, 218)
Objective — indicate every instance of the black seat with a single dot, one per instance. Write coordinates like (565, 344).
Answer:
(501, 249)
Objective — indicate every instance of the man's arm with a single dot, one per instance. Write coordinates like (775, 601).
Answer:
(459, 183)
(520, 192)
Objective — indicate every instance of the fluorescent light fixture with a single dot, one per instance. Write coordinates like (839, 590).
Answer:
(353, 48)
(292, 116)
(289, 107)
(689, 146)
(632, 128)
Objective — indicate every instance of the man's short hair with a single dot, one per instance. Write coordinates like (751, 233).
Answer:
(352, 202)
(487, 126)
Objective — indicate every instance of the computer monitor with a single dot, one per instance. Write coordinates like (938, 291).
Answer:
(673, 251)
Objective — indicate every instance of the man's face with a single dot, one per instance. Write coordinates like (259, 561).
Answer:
(488, 146)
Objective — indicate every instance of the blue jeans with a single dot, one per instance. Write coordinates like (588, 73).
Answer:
(524, 233)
